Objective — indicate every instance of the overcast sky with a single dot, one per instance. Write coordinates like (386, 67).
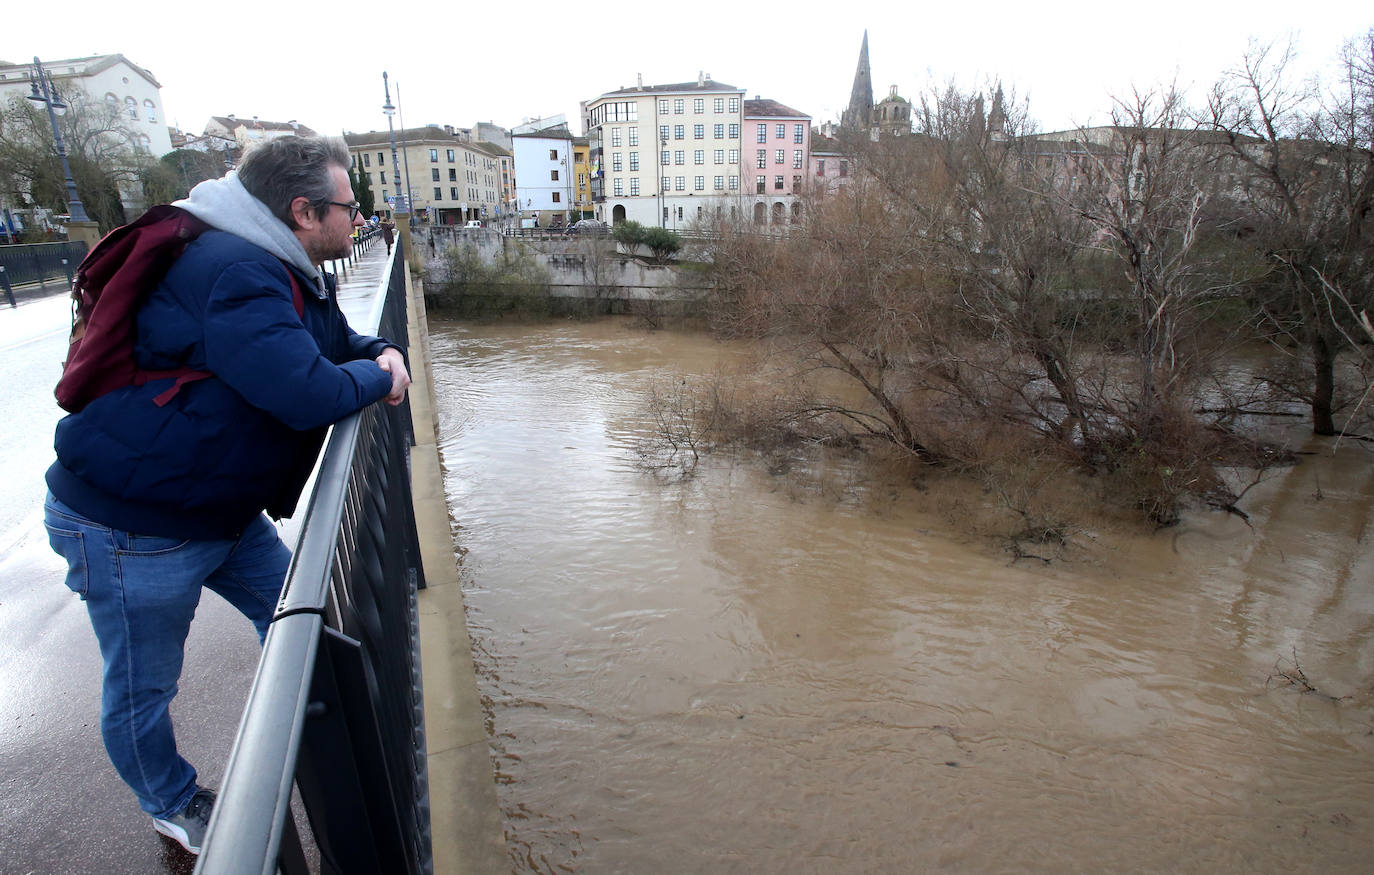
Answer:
(501, 62)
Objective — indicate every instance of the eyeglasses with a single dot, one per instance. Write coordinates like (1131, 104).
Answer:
(354, 210)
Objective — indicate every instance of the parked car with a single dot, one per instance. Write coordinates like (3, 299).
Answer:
(473, 223)
(588, 226)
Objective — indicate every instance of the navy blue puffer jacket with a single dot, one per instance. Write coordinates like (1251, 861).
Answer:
(225, 448)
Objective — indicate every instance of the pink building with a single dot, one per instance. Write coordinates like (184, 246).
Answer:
(776, 154)
(829, 167)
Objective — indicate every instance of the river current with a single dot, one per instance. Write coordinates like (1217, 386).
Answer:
(735, 672)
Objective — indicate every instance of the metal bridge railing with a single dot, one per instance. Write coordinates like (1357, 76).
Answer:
(336, 707)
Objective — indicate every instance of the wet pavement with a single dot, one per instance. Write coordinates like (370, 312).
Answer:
(62, 807)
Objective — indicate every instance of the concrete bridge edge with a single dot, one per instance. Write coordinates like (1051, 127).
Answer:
(465, 817)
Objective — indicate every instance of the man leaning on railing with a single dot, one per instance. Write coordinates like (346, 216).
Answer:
(160, 489)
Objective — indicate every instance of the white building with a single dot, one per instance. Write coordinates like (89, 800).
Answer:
(122, 84)
(245, 132)
(665, 155)
(544, 175)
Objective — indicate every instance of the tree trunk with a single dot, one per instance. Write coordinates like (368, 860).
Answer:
(1323, 388)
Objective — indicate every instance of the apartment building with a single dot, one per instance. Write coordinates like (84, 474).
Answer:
(450, 178)
(544, 171)
(665, 155)
(778, 154)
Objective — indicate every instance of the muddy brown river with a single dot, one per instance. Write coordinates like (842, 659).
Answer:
(738, 672)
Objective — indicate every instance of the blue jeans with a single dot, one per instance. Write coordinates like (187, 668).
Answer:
(141, 593)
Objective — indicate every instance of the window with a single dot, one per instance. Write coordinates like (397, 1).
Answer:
(761, 159)
(679, 132)
(617, 187)
(553, 175)
(699, 156)
(634, 186)
(581, 179)
(438, 193)
(719, 155)
(720, 104)
(761, 185)
(679, 157)
(796, 158)
(449, 155)
(778, 183)
(453, 192)
(663, 133)
(734, 104)
(734, 130)
(698, 132)
(557, 197)
(452, 175)
(615, 136)
(665, 159)
(150, 110)
(381, 160)
(132, 106)
(699, 183)
(634, 136)
(367, 159)
(780, 156)
(734, 156)
(383, 180)
(678, 106)
(761, 133)
(780, 132)
(663, 106)
(434, 174)
(820, 167)
(720, 183)
(553, 154)
(634, 161)
(699, 105)
(434, 156)
(796, 185)
(799, 133)
(615, 162)
(680, 183)
(734, 183)
(844, 168)
(667, 183)
(718, 132)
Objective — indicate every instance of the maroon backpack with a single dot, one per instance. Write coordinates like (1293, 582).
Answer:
(112, 282)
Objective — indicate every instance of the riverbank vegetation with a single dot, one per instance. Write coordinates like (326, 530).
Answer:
(1065, 313)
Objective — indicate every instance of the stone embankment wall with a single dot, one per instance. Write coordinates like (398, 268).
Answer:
(586, 275)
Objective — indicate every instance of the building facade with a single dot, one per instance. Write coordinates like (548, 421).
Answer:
(777, 155)
(664, 155)
(544, 172)
(449, 177)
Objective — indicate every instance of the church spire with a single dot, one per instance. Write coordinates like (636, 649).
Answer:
(859, 115)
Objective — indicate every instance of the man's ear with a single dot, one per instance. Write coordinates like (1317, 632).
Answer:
(305, 216)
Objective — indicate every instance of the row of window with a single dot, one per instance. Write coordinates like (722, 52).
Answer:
(676, 183)
(679, 132)
(779, 183)
(779, 157)
(470, 175)
(131, 107)
(679, 105)
(473, 194)
(680, 157)
(780, 132)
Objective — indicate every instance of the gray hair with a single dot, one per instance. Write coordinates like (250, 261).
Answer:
(278, 171)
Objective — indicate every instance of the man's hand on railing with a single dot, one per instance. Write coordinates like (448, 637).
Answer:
(394, 364)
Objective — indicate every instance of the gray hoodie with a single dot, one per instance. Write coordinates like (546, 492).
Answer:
(226, 205)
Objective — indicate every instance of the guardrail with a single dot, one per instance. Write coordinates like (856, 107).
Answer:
(23, 263)
(337, 707)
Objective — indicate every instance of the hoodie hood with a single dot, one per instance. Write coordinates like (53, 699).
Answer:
(226, 205)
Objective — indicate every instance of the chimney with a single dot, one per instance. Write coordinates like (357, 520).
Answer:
(701, 78)
(295, 125)
(232, 117)
(640, 77)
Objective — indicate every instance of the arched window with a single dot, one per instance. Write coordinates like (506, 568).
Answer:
(112, 99)
(150, 110)
(796, 212)
(778, 212)
(760, 213)
(132, 106)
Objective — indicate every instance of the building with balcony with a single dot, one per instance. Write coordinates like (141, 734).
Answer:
(449, 177)
(664, 155)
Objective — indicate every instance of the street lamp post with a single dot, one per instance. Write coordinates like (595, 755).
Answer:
(390, 110)
(40, 81)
